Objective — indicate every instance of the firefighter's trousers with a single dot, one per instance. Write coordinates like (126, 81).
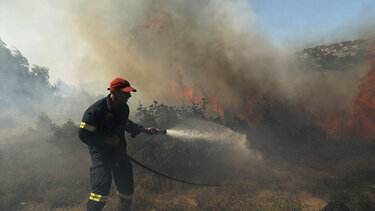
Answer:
(105, 166)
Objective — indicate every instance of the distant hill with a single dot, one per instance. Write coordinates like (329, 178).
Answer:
(336, 56)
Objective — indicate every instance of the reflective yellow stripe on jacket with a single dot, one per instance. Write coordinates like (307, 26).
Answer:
(97, 197)
(88, 127)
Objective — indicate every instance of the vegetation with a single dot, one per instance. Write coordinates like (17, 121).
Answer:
(46, 168)
(301, 168)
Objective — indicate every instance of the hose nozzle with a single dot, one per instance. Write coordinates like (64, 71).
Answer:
(162, 131)
(155, 131)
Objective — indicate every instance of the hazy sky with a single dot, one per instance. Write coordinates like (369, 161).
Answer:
(46, 35)
(311, 21)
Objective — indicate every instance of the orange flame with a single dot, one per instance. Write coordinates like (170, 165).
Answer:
(362, 114)
(362, 120)
(334, 125)
(248, 114)
(177, 86)
(213, 105)
(363, 110)
(182, 91)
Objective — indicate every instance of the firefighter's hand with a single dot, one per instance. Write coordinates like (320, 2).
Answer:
(150, 131)
(113, 141)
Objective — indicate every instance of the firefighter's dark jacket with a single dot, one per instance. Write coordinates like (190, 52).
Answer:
(101, 120)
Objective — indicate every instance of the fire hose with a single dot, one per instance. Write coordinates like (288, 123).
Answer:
(168, 177)
(157, 131)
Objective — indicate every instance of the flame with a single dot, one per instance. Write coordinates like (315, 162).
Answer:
(182, 91)
(362, 120)
(248, 114)
(214, 105)
(363, 110)
(334, 125)
(177, 86)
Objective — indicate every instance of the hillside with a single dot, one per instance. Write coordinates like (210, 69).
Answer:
(336, 56)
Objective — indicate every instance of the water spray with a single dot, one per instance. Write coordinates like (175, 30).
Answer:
(193, 134)
(155, 131)
(192, 129)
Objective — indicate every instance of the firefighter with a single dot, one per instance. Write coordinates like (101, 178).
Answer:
(102, 129)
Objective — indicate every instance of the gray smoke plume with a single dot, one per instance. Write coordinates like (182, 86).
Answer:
(219, 55)
(209, 42)
(212, 45)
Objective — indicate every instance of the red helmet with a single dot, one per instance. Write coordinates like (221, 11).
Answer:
(122, 85)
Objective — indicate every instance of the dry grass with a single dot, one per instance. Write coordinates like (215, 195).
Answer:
(49, 172)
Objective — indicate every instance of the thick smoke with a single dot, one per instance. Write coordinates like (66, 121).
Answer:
(219, 56)
(214, 47)
(210, 42)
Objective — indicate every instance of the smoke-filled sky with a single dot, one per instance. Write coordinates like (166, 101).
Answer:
(228, 51)
(46, 32)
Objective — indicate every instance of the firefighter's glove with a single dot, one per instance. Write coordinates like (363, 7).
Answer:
(150, 131)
